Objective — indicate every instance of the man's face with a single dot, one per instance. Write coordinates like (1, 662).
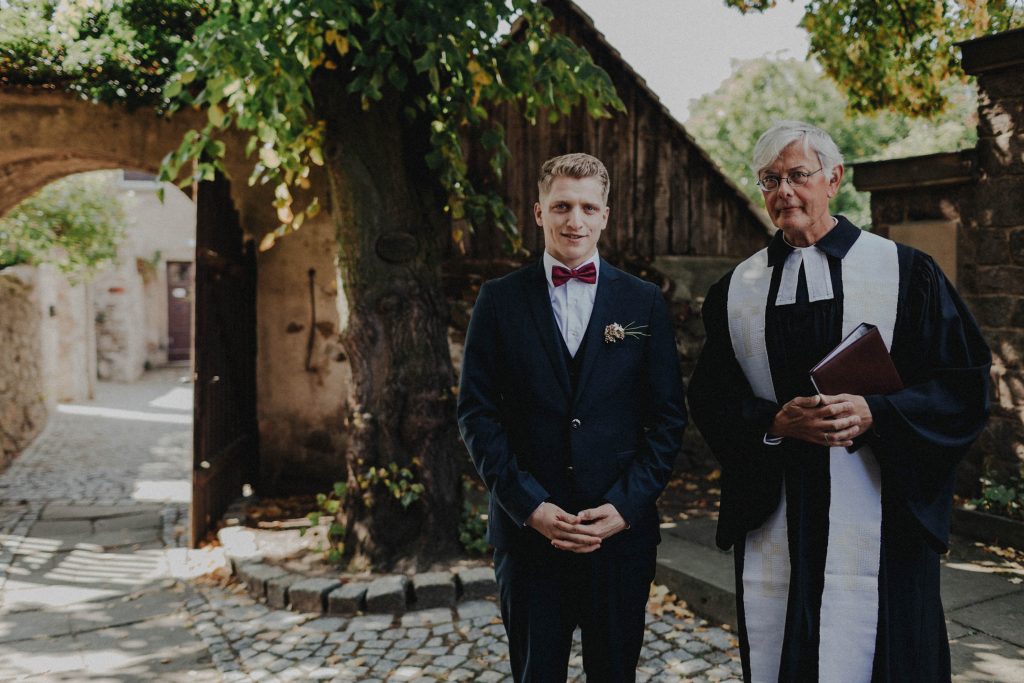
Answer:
(800, 208)
(573, 215)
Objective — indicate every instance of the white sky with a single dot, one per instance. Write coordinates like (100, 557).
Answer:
(684, 48)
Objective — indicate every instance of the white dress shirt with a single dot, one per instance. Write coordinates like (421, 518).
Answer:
(572, 303)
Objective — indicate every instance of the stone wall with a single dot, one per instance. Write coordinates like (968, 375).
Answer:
(23, 404)
(997, 292)
(67, 347)
(119, 310)
(302, 385)
(981, 191)
(157, 232)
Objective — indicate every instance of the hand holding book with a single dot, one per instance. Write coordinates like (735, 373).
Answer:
(859, 365)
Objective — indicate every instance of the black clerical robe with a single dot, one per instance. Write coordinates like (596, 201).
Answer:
(919, 435)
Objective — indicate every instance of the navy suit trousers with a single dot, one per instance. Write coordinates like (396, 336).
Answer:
(546, 595)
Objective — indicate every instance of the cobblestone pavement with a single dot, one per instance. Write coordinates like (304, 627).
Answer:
(251, 642)
(95, 584)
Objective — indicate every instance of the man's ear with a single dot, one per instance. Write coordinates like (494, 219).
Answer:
(538, 214)
(837, 177)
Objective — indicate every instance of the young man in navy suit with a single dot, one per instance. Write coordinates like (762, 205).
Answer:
(571, 406)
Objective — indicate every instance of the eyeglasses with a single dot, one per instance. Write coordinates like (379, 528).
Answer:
(770, 183)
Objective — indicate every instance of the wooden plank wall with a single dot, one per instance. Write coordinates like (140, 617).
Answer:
(666, 197)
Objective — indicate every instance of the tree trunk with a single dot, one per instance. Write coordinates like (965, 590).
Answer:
(401, 410)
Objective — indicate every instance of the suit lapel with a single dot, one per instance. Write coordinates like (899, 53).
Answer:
(599, 318)
(539, 303)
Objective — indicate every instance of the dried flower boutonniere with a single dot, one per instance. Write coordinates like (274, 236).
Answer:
(616, 332)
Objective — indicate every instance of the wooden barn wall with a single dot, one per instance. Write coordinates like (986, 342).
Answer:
(666, 196)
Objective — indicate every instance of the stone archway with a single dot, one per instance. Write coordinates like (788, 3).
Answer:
(45, 135)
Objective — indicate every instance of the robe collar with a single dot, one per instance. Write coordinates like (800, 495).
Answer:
(836, 242)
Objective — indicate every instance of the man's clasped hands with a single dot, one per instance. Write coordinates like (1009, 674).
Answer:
(823, 420)
(581, 533)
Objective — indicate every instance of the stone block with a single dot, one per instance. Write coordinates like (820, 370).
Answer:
(993, 247)
(239, 544)
(1007, 351)
(310, 595)
(433, 589)
(255, 577)
(477, 583)
(347, 599)
(1000, 280)
(1000, 84)
(967, 277)
(278, 589)
(1000, 201)
(1000, 117)
(979, 657)
(993, 310)
(388, 595)
(427, 618)
(475, 609)
(1002, 155)
(1016, 245)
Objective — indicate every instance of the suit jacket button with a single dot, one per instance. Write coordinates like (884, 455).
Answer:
(575, 423)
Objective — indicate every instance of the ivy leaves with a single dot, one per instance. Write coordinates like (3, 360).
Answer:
(251, 64)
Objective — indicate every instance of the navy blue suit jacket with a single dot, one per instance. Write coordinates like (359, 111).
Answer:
(534, 439)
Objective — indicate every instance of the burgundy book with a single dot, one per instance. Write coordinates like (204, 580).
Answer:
(859, 365)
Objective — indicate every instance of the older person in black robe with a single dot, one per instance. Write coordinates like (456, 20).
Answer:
(837, 506)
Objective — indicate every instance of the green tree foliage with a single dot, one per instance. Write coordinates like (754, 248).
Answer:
(898, 56)
(107, 50)
(728, 122)
(252, 65)
(74, 223)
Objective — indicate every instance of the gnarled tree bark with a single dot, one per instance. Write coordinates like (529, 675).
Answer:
(391, 236)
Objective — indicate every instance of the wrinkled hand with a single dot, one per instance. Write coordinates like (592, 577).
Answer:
(858, 408)
(821, 420)
(562, 529)
(596, 524)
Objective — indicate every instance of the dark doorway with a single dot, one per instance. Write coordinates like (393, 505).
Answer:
(180, 281)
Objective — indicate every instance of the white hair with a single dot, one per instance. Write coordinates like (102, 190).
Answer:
(784, 133)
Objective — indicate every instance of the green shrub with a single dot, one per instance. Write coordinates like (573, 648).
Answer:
(1006, 500)
(473, 525)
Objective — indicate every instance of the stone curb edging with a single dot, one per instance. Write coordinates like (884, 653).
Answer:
(383, 594)
(989, 528)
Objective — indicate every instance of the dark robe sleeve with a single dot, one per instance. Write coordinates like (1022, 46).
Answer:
(734, 421)
(921, 432)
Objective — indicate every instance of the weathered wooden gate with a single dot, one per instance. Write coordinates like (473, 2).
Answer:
(225, 444)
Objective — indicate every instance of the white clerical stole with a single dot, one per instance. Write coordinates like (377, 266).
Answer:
(849, 606)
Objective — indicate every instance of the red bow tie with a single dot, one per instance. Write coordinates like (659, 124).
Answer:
(585, 273)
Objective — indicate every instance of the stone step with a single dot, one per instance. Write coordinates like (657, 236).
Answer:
(700, 575)
(393, 594)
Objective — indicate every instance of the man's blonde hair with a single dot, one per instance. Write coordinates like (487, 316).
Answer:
(575, 165)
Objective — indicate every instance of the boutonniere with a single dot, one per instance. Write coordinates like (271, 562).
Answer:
(616, 332)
